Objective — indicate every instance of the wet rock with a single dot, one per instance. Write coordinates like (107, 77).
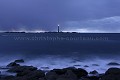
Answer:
(94, 72)
(93, 75)
(79, 72)
(45, 67)
(59, 71)
(113, 71)
(27, 73)
(13, 64)
(22, 68)
(76, 65)
(19, 61)
(93, 78)
(86, 66)
(51, 75)
(90, 78)
(95, 65)
(112, 74)
(113, 63)
(68, 75)
(34, 75)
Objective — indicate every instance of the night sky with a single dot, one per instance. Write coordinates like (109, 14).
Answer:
(72, 15)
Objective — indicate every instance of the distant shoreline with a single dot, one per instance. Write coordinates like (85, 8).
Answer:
(61, 32)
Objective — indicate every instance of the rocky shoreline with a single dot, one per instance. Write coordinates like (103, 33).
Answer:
(15, 71)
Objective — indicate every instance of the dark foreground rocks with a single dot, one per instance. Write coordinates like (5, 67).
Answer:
(70, 73)
(25, 73)
(112, 74)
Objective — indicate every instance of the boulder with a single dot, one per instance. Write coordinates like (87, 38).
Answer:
(113, 71)
(59, 71)
(13, 64)
(78, 72)
(44, 68)
(94, 72)
(113, 64)
(76, 65)
(51, 75)
(18, 69)
(112, 74)
(86, 66)
(27, 73)
(69, 75)
(94, 78)
(34, 75)
(95, 65)
(19, 61)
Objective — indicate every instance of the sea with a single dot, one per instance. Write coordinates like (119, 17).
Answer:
(47, 51)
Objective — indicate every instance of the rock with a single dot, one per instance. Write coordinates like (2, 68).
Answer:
(27, 73)
(19, 61)
(45, 67)
(113, 71)
(76, 65)
(113, 64)
(59, 71)
(22, 68)
(94, 72)
(13, 64)
(34, 75)
(94, 78)
(95, 65)
(93, 75)
(91, 78)
(79, 72)
(112, 74)
(86, 66)
(63, 77)
(51, 75)
(69, 75)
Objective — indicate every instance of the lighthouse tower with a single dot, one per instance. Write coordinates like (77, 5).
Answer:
(58, 28)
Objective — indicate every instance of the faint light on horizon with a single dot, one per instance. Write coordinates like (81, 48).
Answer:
(27, 31)
(83, 31)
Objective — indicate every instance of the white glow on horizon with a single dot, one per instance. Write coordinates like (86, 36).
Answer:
(84, 31)
(27, 31)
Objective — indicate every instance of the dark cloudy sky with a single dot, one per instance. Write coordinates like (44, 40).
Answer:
(72, 15)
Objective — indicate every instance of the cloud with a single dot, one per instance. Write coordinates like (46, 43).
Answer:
(108, 24)
(46, 14)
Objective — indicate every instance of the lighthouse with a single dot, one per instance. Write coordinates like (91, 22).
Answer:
(58, 28)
